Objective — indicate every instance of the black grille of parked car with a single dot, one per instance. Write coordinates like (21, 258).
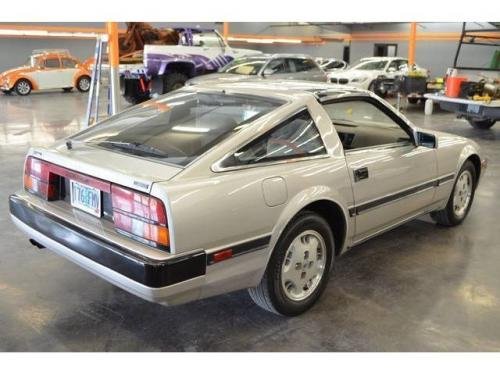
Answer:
(343, 81)
(333, 80)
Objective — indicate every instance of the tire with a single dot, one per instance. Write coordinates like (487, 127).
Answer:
(173, 81)
(67, 89)
(23, 87)
(375, 88)
(277, 292)
(450, 215)
(83, 83)
(481, 124)
(7, 92)
(413, 100)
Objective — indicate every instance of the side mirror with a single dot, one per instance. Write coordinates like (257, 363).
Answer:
(426, 140)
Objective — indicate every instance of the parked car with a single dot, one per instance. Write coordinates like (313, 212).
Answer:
(331, 64)
(46, 69)
(376, 74)
(266, 67)
(215, 188)
(168, 67)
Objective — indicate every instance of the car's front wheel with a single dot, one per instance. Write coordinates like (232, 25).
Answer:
(461, 197)
(298, 270)
(23, 87)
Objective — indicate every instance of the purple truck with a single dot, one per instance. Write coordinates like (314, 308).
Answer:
(168, 67)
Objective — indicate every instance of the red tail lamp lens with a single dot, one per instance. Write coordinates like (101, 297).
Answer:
(141, 216)
(39, 180)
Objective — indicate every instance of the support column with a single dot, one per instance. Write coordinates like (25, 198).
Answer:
(114, 62)
(412, 41)
(225, 30)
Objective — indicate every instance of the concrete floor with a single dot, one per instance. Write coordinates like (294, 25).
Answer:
(417, 288)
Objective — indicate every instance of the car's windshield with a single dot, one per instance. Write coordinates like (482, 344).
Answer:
(178, 127)
(371, 65)
(249, 66)
(28, 61)
(332, 64)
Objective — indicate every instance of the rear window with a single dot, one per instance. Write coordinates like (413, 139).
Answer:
(179, 127)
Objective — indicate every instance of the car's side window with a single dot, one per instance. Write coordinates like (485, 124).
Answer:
(393, 65)
(68, 63)
(296, 137)
(304, 65)
(277, 66)
(361, 124)
(52, 63)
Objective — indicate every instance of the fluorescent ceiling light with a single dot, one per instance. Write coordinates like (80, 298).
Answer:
(265, 40)
(190, 129)
(45, 33)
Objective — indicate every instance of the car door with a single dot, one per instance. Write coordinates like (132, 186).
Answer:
(392, 179)
(49, 74)
(396, 67)
(306, 69)
(278, 69)
(68, 71)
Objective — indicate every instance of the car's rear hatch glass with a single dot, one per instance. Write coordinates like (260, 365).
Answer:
(179, 127)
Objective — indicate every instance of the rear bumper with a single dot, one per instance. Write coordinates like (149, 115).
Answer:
(176, 280)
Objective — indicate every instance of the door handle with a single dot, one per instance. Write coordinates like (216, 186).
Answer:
(360, 174)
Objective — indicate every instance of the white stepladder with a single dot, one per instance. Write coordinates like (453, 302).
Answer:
(102, 80)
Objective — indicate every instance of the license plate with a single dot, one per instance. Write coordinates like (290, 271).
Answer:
(473, 108)
(85, 198)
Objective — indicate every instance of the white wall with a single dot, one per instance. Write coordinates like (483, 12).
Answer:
(435, 55)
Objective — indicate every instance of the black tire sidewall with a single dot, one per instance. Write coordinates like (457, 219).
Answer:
(449, 207)
(481, 124)
(280, 301)
(171, 79)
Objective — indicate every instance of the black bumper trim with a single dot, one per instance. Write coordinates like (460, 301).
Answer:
(392, 197)
(151, 273)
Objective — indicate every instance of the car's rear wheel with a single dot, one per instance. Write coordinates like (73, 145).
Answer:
(298, 270)
(67, 89)
(412, 100)
(83, 83)
(7, 92)
(23, 87)
(481, 124)
(461, 197)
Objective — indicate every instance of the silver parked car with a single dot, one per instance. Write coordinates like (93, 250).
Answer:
(215, 188)
(266, 67)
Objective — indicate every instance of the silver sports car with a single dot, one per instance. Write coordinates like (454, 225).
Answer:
(219, 187)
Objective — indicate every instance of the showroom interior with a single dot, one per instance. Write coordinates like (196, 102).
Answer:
(417, 287)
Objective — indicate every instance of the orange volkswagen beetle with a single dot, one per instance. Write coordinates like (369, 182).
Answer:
(46, 69)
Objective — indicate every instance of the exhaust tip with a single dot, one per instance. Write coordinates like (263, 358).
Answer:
(37, 244)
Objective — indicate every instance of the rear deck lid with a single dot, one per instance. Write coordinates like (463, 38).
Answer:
(119, 168)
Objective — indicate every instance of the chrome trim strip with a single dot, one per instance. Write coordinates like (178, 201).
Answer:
(217, 168)
(380, 147)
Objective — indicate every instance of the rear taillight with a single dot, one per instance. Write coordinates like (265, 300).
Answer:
(39, 180)
(140, 216)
